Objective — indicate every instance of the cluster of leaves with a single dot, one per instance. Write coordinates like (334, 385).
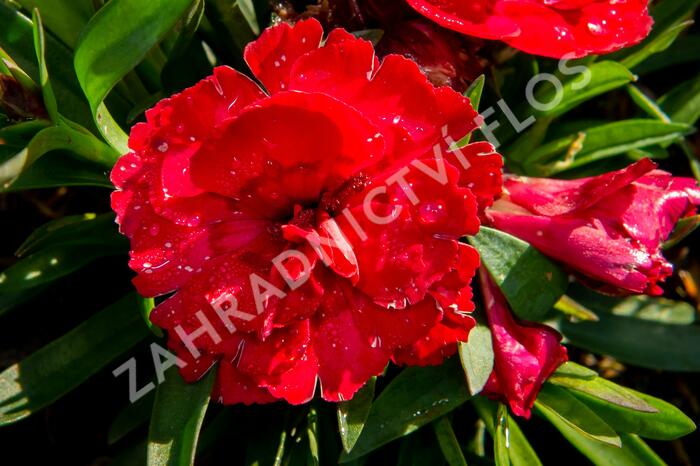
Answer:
(99, 65)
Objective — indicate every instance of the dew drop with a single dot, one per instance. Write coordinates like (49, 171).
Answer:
(431, 212)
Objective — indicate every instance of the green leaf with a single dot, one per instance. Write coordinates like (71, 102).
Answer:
(557, 402)
(56, 138)
(602, 142)
(531, 282)
(110, 47)
(61, 169)
(602, 389)
(448, 442)
(73, 229)
(17, 39)
(656, 45)
(667, 423)
(682, 103)
(353, 413)
(683, 51)
(312, 437)
(655, 309)
(475, 90)
(520, 451)
(130, 418)
(50, 264)
(605, 76)
(500, 438)
(571, 307)
(640, 342)
(40, 48)
(65, 18)
(668, 16)
(417, 396)
(647, 104)
(683, 229)
(571, 369)
(473, 93)
(633, 451)
(476, 356)
(178, 413)
(64, 364)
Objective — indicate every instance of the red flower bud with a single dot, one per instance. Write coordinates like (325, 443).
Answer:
(525, 354)
(607, 228)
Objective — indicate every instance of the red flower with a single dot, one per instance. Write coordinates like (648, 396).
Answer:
(552, 28)
(608, 228)
(525, 354)
(445, 57)
(294, 251)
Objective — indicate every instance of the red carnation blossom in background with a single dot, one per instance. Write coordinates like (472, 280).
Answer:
(608, 228)
(525, 354)
(552, 28)
(265, 212)
(446, 58)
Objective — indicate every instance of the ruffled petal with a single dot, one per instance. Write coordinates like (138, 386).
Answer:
(286, 150)
(272, 55)
(556, 29)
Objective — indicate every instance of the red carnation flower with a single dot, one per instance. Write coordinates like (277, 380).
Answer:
(525, 354)
(552, 28)
(309, 231)
(445, 57)
(608, 228)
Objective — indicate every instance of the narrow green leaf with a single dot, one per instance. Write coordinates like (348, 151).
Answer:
(571, 369)
(475, 90)
(667, 423)
(40, 48)
(647, 104)
(130, 418)
(83, 229)
(638, 342)
(353, 413)
(683, 229)
(178, 413)
(531, 282)
(656, 45)
(50, 264)
(668, 16)
(476, 356)
(64, 18)
(604, 77)
(56, 138)
(604, 390)
(110, 47)
(682, 103)
(683, 51)
(654, 309)
(417, 396)
(312, 437)
(633, 451)
(569, 306)
(601, 142)
(448, 442)
(555, 401)
(17, 40)
(501, 442)
(473, 93)
(64, 364)
(61, 169)
(519, 450)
